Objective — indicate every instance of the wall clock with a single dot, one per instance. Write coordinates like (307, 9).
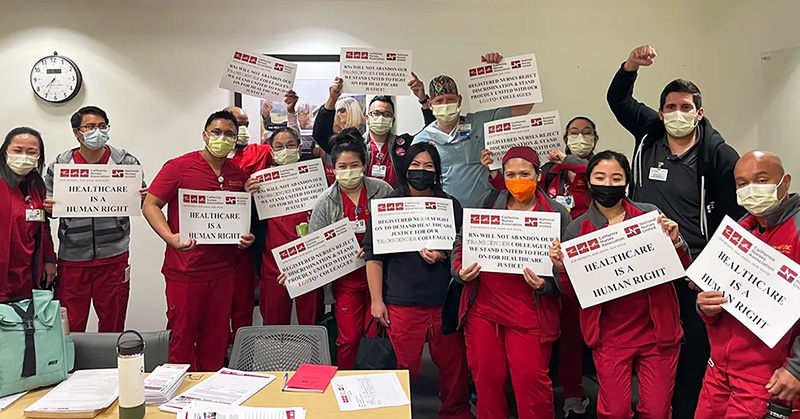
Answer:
(56, 78)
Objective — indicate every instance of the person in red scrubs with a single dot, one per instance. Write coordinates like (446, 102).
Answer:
(250, 157)
(273, 299)
(27, 259)
(93, 268)
(408, 289)
(199, 278)
(511, 320)
(640, 332)
(349, 197)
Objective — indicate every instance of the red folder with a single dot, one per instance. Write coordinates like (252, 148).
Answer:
(311, 378)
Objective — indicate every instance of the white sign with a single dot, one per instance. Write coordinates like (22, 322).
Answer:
(539, 131)
(513, 81)
(259, 75)
(509, 241)
(375, 71)
(369, 391)
(226, 386)
(96, 190)
(213, 217)
(621, 259)
(289, 189)
(318, 258)
(411, 224)
(759, 282)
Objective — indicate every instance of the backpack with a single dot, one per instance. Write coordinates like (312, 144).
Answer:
(33, 349)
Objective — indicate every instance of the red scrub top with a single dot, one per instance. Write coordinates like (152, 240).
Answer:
(382, 158)
(252, 158)
(192, 171)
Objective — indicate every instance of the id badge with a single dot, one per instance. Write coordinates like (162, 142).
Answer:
(567, 201)
(35, 215)
(301, 229)
(359, 226)
(464, 129)
(658, 173)
(379, 171)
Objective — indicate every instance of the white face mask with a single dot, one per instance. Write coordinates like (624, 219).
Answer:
(580, 145)
(244, 136)
(380, 125)
(759, 198)
(680, 124)
(21, 164)
(95, 139)
(286, 156)
(446, 113)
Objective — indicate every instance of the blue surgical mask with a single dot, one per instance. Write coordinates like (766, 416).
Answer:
(95, 139)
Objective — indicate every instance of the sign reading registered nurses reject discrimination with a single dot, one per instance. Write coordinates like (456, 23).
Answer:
(509, 241)
(258, 75)
(96, 190)
(620, 260)
(411, 224)
(289, 189)
(513, 81)
(319, 258)
(213, 217)
(539, 131)
(760, 283)
(375, 71)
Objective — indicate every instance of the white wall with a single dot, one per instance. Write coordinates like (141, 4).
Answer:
(155, 65)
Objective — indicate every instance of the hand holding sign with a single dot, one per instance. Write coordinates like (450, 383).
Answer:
(335, 89)
(535, 281)
(469, 273)
(670, 228)
(491, 58)
(556, 255)
(710, 302)
(246, 240)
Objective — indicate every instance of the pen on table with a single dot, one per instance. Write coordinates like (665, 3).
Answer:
(285, 379)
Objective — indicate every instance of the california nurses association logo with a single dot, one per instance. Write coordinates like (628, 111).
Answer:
(391, 206)
(736, 239)
(582, 248)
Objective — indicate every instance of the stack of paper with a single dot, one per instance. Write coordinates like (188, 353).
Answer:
(217, 411)
(6, 401)
(310, 378)
(372, 391)
(226, 386)
(163, 382)
(85, 394)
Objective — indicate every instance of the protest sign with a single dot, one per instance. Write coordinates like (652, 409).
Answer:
(411, 224)
(513, 81)
(289, 189)
(318, 258)
(509, 241)
(96, 190)
(375, 71)
(258, 75)
(620, 260)
(540, 131)
(213, 217)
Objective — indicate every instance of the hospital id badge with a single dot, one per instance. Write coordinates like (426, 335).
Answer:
(379, 171)
(359, 226)
(658, 173)
(567, 201)
(464, 129)
(36, 215)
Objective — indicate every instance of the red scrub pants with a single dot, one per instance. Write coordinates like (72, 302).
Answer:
(655, 368)
(570, 349)
(731, 397)
(276, 306)
(105, 285)
(352, 309)
(198, 314)
(492, 349)
(244, 292)
(409, 327)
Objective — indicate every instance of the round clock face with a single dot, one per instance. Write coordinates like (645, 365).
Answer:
(56, 79)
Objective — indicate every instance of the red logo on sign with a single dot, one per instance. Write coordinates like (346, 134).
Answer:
(193, 199)
(301, 247)
(237, 55)
(381, 207)
(292, 251)
(430, 205)
(727, 232)
(253, 59)
(475, 219)
(787, 274)
(583, 248)
(84, 172)
(201, 199)
(390, 206)
(187, 198)
(516, 64)
(531, 222)
(507, 126)
(492, 129)
(74, 172)
(330, 234)
(593, 244)
(633, 230)
(302, 169)
(473, 72)
(390, 56)
(117, 173)
(348, 54)
(398, 206)
(230, 200)
(278, 67)
(64, 172)
(488, 69)
(572, 251)
(481, 70)
(495, 220)
(537, 122)
(245, 58)
(745, 245)
(485, 219)
(284, 254)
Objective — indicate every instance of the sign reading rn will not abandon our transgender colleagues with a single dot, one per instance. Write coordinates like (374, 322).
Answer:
(96, 190)
(411, 224)
(509, 241)
(258, 75)
(375, 71)
(213, 217)
(289, 189)
(760, 283)
(540, 131)
(620, 260)
(513, 81)
(319, 258)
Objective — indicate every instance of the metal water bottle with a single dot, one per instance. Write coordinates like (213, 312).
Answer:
(130, 364)
(777, 409)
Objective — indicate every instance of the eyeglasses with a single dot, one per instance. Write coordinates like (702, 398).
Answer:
(586, 132)
(218, 132)
(92, 127)
(288, 147)
(341, 110)
(376, 114)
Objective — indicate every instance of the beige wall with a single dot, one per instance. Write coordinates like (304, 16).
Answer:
(155, 65)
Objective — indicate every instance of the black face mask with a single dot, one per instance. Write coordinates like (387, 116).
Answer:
(607, 196)
(420, 180)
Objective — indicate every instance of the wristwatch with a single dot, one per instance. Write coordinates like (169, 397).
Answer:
(680, 242)
(423, 101)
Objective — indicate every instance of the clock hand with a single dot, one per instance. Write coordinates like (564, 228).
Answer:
(48, 86)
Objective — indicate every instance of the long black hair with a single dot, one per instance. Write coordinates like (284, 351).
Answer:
(349, 140)
(409, 157)
(37, 179)
(610, 155)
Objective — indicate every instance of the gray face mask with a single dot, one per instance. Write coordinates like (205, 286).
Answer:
(95, 139)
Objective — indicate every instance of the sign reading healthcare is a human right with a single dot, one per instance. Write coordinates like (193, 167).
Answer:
(96, 190)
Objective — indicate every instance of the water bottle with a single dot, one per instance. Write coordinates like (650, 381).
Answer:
(130, 363)
(777, 409)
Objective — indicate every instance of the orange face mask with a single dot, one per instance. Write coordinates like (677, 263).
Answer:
(521, 189)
